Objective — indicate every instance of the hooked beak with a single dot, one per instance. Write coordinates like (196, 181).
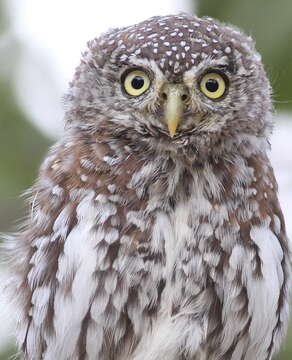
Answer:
(175, 96)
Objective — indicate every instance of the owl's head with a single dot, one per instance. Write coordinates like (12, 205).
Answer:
(173, 82)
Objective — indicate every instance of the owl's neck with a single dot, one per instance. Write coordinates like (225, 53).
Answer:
(148, 172)
(191, 148)
(192, 151)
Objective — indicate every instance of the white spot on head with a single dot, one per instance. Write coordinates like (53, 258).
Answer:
(173, 34)
(227, 50)
(168, 53)
(187, 48)
(180, 34)
(166, 43)
(182, 43)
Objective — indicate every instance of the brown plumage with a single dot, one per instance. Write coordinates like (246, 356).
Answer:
(155, 230)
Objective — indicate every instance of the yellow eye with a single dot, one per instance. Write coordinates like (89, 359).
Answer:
(136, 82)
(213, 85)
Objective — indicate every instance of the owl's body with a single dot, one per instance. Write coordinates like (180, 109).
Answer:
(145, 245)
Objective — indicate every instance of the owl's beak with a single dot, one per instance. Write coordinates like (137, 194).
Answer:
(174, 97)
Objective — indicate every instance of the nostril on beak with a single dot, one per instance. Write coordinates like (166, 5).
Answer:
(184, 97)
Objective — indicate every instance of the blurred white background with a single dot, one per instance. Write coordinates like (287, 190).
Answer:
(53, 34)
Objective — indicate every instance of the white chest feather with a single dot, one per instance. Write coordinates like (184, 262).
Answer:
(205, 262)
(173, 231)
(191, 259)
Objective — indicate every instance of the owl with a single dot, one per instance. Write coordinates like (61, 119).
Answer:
(154, 230)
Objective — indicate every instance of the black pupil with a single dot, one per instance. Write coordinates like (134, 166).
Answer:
(137, 82)
(212, 85)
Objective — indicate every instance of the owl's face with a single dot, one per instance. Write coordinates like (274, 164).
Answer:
(176, 80)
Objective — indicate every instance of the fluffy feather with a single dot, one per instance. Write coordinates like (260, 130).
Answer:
(141, 246)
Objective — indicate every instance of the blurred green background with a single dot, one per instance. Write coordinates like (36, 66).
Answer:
(22, 146)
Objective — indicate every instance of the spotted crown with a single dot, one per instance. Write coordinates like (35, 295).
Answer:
(176, 43)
